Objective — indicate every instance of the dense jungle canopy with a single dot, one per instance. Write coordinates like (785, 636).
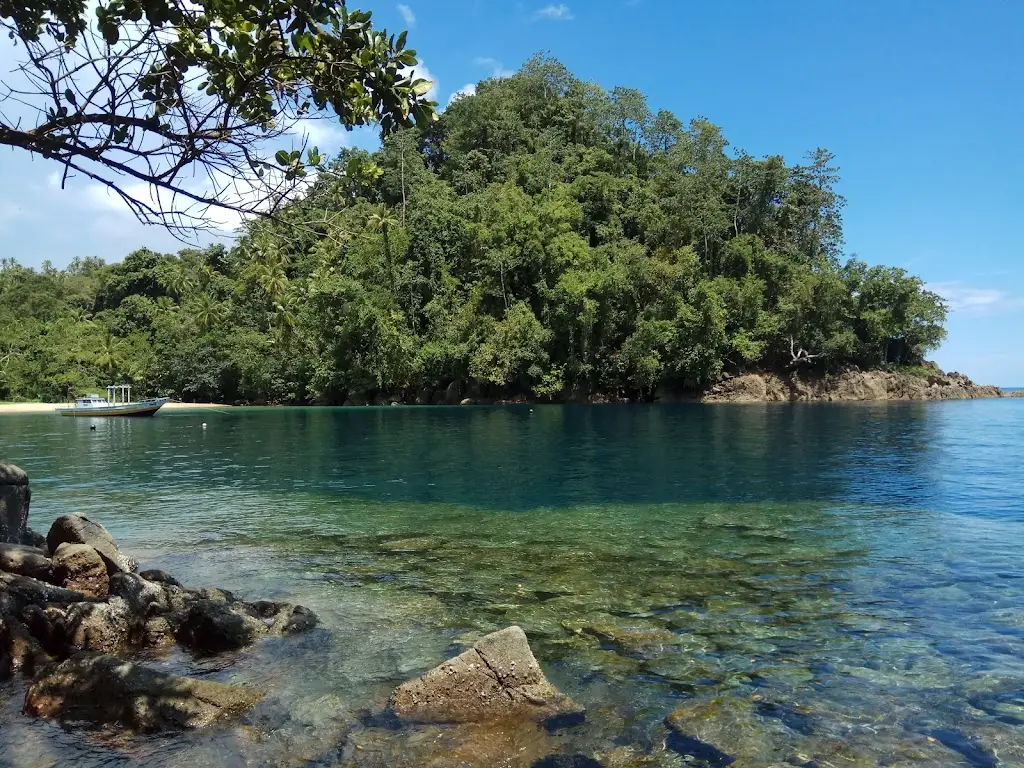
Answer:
(543, 238)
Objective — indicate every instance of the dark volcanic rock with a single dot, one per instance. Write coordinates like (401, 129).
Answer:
(80, 567)
(78, 529)
(104, 690)
(25, 561)
(15, 496)
(497, 679)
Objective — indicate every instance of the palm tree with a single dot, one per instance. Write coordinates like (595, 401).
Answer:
(381, 220)
(207, 312)
(284, 319)
(179, 281)
(272, 280)
(109, 357)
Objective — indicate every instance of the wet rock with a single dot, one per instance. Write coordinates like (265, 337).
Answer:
(32, 538)
(78, 529)
(212, 627)
(157, 633)
(632, 639)
(104, 690)
(722, 729)
(412, 545)
(18, 592)
(15, 496)
(47, 624)
(25, 561)
(20, 652)
(161, 577)
(80, 567)
(108, 627)
(497, 679)
(144, 598)
(284, 618)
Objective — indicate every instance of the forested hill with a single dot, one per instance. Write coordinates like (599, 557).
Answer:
(544, 238)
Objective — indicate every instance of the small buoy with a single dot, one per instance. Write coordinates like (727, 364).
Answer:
(92, 428)
(531, 410)
(204, 425)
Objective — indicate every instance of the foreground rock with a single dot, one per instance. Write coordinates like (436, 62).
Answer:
(18, 592)
(104, 689)
(497, 679)
(14, 501)
(80, 567)
(20, 651)
(78, 529)
(847, 386)
(25, 561)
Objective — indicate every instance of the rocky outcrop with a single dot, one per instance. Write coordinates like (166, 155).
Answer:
(103, 689)
(20, 652)
(847, 386)
(497, 679)
(80, 604)
(78, 529)
(80, 567)
(209, 627)
(15, 496)
(25, 561)
(18, 592)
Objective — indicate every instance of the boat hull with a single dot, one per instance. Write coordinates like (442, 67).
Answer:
(141, 408)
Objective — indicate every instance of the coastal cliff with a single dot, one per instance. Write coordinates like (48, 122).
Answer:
(848, 386)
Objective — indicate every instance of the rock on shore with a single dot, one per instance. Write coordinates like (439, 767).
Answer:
(70, 610)
(847, 386)
(497, 679)
(104, 690)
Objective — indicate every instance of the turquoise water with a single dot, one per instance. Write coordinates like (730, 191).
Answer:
(814, 585)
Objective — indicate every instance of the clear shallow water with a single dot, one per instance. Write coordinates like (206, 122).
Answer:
(802, 585)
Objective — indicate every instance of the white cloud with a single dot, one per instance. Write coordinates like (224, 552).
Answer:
(467, 90)
(420, 70)
(969, 300)
(407, 14)
(558, 12)
(495, 66)
(326, 134)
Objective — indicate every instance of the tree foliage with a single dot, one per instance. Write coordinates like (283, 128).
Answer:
(543, 238)
(185, 97)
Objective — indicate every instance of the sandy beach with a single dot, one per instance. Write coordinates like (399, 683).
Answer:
(12, 408)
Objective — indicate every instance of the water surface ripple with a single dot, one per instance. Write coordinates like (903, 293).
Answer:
(809, 585)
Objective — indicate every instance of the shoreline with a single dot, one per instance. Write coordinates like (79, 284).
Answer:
(28, 408)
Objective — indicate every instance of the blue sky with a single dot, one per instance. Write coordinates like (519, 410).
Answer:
(922, 103)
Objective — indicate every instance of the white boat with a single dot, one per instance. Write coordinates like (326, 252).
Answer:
(118, 402)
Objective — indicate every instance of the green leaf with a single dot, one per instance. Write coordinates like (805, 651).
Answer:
(282, 157)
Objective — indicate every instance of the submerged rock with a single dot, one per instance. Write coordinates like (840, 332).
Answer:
(25, 561)
(497, 679)
(80, 567)
(78, 529)
(104, 690)
(15, 496)
(212, 627)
